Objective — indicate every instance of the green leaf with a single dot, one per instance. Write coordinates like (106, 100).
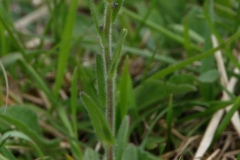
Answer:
(117, 6)
(122, 138)
(153, 142)
(91, 154)
(135, 153)
(7, 153)
(41, 84)
(186, 62)
(152, 91)
(227, 119)
(25, 121)
(74, 95)
(182, 79)
(124, 95)
(65, 45)
(117, 54)
(24, 115)
(130, 153)
(99, 122)
(169, 119)
(143, 155)
(101, 79)
(10, 59)
(17, 134)
(94, 15)
(152, 25)
(87, 84)
(209, 76)
(2, 157)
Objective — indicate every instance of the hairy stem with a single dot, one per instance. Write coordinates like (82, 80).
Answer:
(108, 35)
(110, 112)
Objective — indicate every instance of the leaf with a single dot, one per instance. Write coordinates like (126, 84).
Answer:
(101, 79)
(169, 120)
(122, 138)
(117, 54)
(209, 76)
(182, 79)
(227, 119)
(24, 115)
(160, 29)
(91, 154)
(17, 134)
(99, 122)
(74, 95)
(188, 61)
(117, 7)
(86, 80)
(24, 120)
(7, 153)
(10, 59)
(152, 91)
(65, 45)
(94, 15)
(135, 153)
(2, 157)
(41, 84)
(124, 95)
(143, 155)
(153, 142)
(130, 153)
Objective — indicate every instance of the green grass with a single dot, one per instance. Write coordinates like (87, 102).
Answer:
(136, 81)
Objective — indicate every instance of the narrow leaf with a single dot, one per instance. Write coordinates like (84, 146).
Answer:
(169, 123)
(227, 119)
(17, 134)
(117, 54)
(122, 138)
(2, 157)
(101, 79)
(91, 154)
(14, 117)
(209, 76)
(116, 8)
(99, 122)
(94, 15)
(74, 100)
(186, 62)
(7, 153)
(124, 95)
(65, 47)
(130, 152)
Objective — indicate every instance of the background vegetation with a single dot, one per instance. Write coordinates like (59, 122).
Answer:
(169, 82)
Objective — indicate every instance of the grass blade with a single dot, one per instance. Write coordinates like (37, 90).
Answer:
(169, 119)
(160, 29)
(186, 62)
(74, 96)
(227, 119)
(65, 47)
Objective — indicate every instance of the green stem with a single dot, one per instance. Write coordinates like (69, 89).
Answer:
(108, 34)
(110, 112)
